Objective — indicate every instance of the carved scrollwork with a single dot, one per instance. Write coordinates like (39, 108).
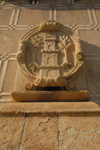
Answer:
(79, 52)
(21, 51)
(80, 56)
(70, 86)
(20, 57)
(29, 87)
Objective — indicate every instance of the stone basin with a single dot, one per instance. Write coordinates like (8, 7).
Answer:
(50, 96)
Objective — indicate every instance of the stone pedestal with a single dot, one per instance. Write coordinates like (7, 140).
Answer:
(47, 126)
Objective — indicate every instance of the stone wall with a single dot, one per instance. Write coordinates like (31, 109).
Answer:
(17, 17)
(49, 126)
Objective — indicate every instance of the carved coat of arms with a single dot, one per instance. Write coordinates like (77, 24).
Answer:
(50, 57)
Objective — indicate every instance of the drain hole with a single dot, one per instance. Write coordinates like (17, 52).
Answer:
(49, 88)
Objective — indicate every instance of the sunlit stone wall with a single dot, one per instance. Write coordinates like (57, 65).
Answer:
(49, 126)
(19, 16)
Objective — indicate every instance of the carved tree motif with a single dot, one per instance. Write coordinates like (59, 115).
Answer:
(66, 45)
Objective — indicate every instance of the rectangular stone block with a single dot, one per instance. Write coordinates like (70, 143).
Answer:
(11, 127)
(90, 36)
(9, 81)
(5, 13)
(79, 132)
(34, 17)
(73, 17)
(40, 133)
(93, 76)
(97, 11)
(9, 41)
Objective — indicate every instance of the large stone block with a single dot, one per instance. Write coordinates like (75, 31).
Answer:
(79, 132)
(75, 17)
(9, 41)
(34, 17)
(40, 133)
(11, 127)
(5, 13)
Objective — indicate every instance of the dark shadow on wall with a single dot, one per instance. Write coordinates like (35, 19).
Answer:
(50, 2)
(92, 70)
(35, 2)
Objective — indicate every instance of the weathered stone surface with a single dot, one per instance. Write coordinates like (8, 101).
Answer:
(6, 13)
(22, 16)
(79, 17)
(98, 16)
(86, 35)
(9, 41)
(40, 133)
(92, 77)
(80, 132)
(52, 107)
(92, 61)
(54, 96)
(11, 127)
(79, 123)
(9, 81)
(80, 126)
(34, 20)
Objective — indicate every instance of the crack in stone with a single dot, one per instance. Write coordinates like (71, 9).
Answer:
(23, 131)
(84, 131)
(45, 121)
(28, 137)
(4, 143)
(69, 128)
(3, 126)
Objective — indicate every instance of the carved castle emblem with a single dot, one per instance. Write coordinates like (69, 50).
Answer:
(50, 57)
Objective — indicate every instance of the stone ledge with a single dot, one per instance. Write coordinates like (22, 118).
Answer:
(54, 96)
(49, 108)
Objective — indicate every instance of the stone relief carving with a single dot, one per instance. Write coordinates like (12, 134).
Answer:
(50, 56)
